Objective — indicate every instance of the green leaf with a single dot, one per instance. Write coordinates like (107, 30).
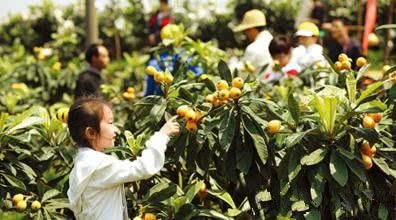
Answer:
(225, 196)
(233, 212)
(193, 190)
(212, 213)
(186, 212)
(244, 154)
(27, 170)
(312, 215)
(299, 206)
(210, 85)
(264, 196)
(257, 137)
(227, 129)
(294, 108)
(12, 216)
(294, 166)
(314, 158)
(295, 138)
(317, 187)
(383, 212)
(326, 106)
(158, 111)
(50, 194)
(372, 107)
(224, 71)
(369, 91)
(381, 163)
(160, 192)
(14, 181)
(338, 169)
(366, 133)
(186, 95)
(54, 204)
(28, 122)
(351, 87)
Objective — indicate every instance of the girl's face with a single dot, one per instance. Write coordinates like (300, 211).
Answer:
(106, 137)
(282, 58)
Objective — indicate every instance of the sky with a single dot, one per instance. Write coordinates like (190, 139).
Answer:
(20, 6)
(14, 6)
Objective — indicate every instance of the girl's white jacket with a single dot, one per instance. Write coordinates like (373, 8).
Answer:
(96, 181)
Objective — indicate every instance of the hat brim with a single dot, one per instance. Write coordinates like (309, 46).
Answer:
(304, 33)
(243, 27)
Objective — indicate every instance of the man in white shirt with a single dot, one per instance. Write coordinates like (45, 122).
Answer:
(257, 54)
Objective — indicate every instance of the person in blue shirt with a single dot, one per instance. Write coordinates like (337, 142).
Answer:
(166, 61)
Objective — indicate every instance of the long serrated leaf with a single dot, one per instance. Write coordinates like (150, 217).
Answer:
(369, 91)
(14, 181)
(356, 168)
(161, 192)
(227, 129)
(50, 194)
(225, 196)
(28, 122)
(314, 158)
(224, 71)
(381, 163)
(351, 87)
(294, 108)
(212, 213)
(338, 169)
(259, 142)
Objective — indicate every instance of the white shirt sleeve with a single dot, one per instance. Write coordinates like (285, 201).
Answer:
(113, 171)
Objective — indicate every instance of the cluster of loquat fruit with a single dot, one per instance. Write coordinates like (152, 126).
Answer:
(129, 94)
(193, 118)
(159, 76)
(368, 154)
(344, 62)
(20, 203)
(371, 119)
(224, 93)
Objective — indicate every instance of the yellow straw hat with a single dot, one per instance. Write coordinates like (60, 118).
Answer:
(307, 29)
(251, 19)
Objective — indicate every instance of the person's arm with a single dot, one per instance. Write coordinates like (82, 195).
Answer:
(113, 172)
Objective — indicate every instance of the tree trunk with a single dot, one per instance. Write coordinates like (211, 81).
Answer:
(92, 22)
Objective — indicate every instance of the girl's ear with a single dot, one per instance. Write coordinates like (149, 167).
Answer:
(90, 133)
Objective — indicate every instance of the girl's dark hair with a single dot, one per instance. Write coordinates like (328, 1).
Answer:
(85, 112)
(280, 44)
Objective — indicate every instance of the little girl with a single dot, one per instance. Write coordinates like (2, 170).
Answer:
(96, 181)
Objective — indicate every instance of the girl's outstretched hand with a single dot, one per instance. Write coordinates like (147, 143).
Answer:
(171, 127)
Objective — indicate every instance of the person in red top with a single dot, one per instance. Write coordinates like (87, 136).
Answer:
(158, 20)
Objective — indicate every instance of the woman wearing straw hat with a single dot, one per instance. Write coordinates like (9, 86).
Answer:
(257, 52)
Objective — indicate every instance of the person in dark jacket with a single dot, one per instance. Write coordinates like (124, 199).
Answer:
(342, 43)
(89, 81)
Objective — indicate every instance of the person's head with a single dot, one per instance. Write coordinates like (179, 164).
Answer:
(90, 123)
(163, 5)
(251, 33)
(252, 24)
(97, 56)
(280, 49)
(307, 33)
(339, 30)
